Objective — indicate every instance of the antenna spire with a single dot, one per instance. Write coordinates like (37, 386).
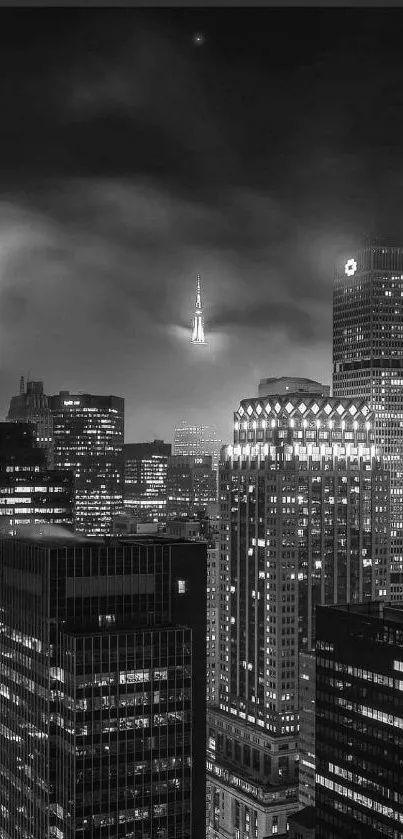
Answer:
(198, 320)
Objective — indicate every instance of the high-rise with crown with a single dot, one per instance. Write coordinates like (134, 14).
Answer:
(88, 439)
(198, 320)
(368, 361)
(103, 681)
(304, 520)
(32, 405)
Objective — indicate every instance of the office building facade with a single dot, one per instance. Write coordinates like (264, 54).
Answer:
(359, 724)
(197, 441)
(191, 486)
(304, 520)
(31, 405)
(145, 479)
(102, 702)
(88, 439)
(306, 706)
(30, 493)
(368, 361)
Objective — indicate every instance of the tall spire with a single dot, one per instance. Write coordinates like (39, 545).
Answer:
(198, 321)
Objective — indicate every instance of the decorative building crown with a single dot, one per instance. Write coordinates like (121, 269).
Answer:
(198, 320)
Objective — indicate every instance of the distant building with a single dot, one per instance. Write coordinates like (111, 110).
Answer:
(191, 486)
(88, 439)
(368, 361)
(291, 384)
(145, 479)
(183, 529)
(31, 405)
(359, 721)
(103, 693)
(197, 441)
(30, 493)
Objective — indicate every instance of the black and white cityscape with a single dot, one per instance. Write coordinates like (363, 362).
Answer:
(201, 433)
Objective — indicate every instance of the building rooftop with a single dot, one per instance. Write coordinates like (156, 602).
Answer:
(305, 817)
(373, 609)
(76, 540)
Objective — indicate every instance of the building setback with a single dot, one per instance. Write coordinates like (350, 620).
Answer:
(368, 362)
(102, 703)
(304, 520)
(359, 721)
(88, 439)
(197, 441)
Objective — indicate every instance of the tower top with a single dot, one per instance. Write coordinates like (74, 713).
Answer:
(198, 320)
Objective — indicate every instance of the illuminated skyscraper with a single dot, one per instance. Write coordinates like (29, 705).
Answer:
(197, 441)
(31, 405)
(198, 320)
(102, 701)
(304, 520)
(191, 485)
(88, 439)
(30, 493)
(368, 361)
(145, 479)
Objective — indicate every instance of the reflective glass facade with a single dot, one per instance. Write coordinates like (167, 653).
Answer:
(102, 711)
(31, 405)
(368, 361)
(359, 722)
(197, 441)
(191, 485)
(88, 439)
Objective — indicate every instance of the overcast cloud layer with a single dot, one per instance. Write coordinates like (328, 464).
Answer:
(131, 160)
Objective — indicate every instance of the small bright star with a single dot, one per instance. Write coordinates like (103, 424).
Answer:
(198, 39)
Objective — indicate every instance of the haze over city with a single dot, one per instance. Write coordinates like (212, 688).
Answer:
(135, 156)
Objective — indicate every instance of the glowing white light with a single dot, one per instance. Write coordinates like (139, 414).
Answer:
(330, 423)
(273, 423)
(355, 425)
(245, 425)
(368, 426)
(305, 423)
(254, 424)
(236, 426)
(350, 267)
(263, 423)
(317, 423)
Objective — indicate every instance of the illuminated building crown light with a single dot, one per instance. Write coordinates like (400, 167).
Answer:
(198, 320)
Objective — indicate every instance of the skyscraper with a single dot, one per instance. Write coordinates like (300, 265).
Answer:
(102, 702)
(30, 493)
(197, 441)
(31, 405)
(304, 520)
(191, 485)
(359, 721)
(368, 361)
(88, 439)
(145, 479)
(198, 320)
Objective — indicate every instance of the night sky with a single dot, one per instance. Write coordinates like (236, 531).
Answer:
(131, 159)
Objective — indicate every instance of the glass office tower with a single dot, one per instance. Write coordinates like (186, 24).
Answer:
(359, 721)
(88, 439)
(145, 479)
(102, 698)
(368, 361)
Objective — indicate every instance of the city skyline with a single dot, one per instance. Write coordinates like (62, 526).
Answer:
(139, 174)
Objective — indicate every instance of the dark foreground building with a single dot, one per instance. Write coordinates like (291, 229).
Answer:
(102, 696)
(359, 721)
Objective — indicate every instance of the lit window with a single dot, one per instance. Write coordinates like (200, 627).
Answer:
(182, 586)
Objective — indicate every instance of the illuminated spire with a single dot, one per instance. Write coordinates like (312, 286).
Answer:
(198, 323)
